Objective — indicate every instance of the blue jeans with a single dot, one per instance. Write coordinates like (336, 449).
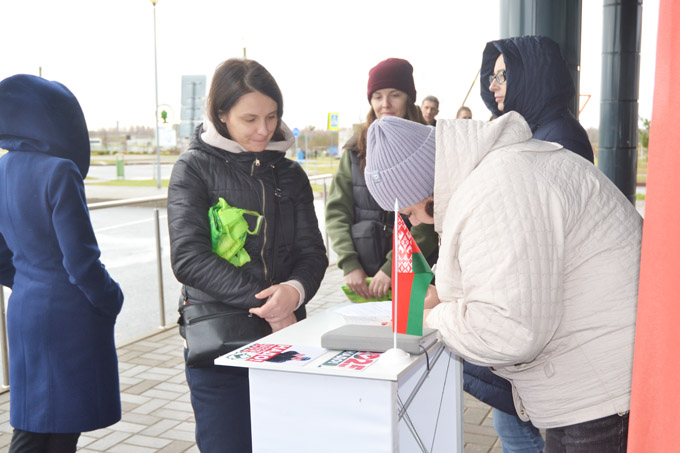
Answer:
(604, 435)
(516, 435)
(221, 401)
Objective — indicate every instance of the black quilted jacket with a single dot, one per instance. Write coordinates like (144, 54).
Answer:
(288, 247)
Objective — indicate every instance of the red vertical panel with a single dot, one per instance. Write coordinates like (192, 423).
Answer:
(404, 285)
(655, 401)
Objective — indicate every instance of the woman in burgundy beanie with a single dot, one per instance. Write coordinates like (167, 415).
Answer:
(360, 230)
(392, 73)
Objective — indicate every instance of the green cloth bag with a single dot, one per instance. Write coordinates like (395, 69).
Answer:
(228, 231)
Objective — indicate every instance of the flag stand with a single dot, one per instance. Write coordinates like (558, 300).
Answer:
(395, 356)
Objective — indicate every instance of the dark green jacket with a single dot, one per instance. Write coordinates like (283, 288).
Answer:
(341, 214)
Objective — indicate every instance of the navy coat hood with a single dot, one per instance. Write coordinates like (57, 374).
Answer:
(37, 115)
(539, 82)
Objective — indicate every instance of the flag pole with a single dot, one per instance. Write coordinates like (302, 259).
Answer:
(395, 355)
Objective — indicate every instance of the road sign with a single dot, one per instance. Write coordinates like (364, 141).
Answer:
(333, 122)
(296, 132)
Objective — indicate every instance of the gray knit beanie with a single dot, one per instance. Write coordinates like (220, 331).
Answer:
(399, 162)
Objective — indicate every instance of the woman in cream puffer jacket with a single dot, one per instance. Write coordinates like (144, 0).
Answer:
(539, 259)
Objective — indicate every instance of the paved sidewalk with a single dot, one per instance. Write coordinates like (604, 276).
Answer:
(157, 414)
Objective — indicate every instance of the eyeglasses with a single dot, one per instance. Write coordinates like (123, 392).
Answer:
(499, 77)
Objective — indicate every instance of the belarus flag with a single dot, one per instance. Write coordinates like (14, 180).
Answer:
(411, 278)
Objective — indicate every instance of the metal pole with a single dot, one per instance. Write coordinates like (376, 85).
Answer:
(155, 65)
(193, 107)
(471, 85)
(161, 299)
(3, 333)
(325, 201)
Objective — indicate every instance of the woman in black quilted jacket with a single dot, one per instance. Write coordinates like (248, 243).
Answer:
(238, 154)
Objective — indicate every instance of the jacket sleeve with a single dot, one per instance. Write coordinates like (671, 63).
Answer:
(500, 271)
(427, 240)
(77, 241)
(310, 253)
(7, 270)
(340, 216)
(192, 258)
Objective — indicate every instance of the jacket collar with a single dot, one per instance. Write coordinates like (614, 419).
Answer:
(463, 144)
(214, 139)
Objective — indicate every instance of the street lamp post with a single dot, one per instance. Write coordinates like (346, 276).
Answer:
(155, 65)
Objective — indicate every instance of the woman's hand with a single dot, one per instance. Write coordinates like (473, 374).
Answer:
(289, 321)
(380, 285)
(431, 297)
(356, 282)
(283, 300)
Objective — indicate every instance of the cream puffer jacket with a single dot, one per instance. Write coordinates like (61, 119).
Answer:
(538, 269)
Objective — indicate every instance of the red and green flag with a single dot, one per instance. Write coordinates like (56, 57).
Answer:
(411, 277)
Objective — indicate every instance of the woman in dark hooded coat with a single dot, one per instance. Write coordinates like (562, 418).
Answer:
(527, 75)
(534, 81)
(61, 313)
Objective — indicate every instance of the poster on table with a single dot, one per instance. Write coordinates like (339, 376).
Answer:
(276, 353)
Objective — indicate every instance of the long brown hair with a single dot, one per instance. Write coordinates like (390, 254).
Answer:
(413, 113)
(234, 78)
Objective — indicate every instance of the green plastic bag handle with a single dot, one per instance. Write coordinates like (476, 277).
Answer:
(228, 231)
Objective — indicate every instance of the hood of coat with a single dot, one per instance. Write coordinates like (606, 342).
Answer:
(463, 144)
(37, 115)
(539, 82)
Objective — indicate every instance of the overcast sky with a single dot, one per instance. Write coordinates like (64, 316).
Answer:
(319, 51)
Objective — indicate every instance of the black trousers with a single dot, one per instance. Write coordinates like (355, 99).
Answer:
(604, 435)
(221, 401)
(28, 442)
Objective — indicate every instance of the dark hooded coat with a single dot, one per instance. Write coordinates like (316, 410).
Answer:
(61, 313)
(539, 88)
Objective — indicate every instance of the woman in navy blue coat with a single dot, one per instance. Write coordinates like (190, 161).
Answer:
(527, 75)
(61, 313)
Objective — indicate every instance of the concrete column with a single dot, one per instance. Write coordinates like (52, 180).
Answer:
(617, 153)
(559, 20)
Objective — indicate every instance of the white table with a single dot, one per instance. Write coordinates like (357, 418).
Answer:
(312, 409)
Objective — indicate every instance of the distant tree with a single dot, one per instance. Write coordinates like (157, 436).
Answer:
(643, 132)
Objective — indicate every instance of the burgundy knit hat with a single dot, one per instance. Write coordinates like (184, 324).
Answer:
(392, 73)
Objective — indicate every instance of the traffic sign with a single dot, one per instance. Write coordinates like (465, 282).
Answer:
(296, 132)
(333, 122)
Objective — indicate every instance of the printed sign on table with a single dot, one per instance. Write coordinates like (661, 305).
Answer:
(276, 353)
(352, 360)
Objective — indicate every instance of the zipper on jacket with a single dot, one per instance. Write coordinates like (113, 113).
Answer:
(256, 163)
(266, 223)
